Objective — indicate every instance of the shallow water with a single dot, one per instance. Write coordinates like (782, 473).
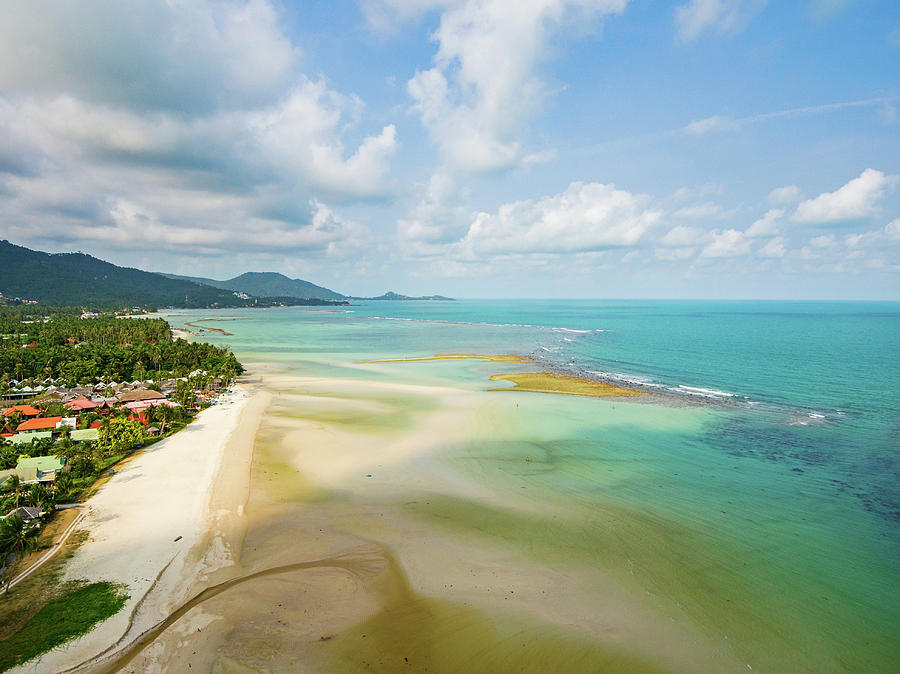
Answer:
(760, 526)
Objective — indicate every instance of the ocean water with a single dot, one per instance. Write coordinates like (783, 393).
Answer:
(757, 495)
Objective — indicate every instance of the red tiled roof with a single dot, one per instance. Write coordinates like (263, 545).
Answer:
(81, 403)
(26, 410)
(97, 424)
(39, 423)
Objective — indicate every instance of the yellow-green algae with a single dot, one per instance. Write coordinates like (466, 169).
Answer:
(551, 382)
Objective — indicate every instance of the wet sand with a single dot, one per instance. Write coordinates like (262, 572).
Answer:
(365, 551)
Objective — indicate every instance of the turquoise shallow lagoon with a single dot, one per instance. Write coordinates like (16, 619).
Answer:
(757, 497)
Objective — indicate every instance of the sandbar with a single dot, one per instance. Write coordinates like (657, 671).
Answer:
(551, 382)
(206, 327)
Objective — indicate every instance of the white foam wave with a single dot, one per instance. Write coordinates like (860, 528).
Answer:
(708, 392)
(494, 325)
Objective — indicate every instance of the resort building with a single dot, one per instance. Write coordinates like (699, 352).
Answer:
(82, 404)
(39, 424)
(27, 513)
(27, 437)
(46, 467)
(83, 434)
(140, 395)
(25, 410)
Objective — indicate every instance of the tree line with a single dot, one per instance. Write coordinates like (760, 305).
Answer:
(83, 351)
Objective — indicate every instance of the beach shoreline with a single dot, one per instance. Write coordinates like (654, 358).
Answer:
(158, 526)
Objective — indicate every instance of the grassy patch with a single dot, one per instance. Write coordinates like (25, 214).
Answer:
(111, 461)
(70, 615)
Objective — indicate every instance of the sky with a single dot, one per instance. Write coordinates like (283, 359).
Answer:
(474, 148)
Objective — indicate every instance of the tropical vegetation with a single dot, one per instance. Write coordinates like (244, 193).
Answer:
(61, 345)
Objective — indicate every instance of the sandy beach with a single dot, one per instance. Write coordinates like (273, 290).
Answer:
(157, 525)
(178, 333)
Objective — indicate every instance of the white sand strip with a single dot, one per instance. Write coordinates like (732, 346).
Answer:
(161, 495)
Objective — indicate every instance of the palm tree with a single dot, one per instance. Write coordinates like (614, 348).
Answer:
(163, 414)
(12, 484)
(63, 485)
(38, 495)
(156, 357)
(14, 537)
(17, 489)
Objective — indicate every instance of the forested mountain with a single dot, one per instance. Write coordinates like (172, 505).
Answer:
(79, 279)
(267, 284)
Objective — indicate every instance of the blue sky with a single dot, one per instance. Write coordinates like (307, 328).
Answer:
(476, 148)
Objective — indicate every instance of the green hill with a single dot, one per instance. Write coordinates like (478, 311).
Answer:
(79, 279)
(267, 284)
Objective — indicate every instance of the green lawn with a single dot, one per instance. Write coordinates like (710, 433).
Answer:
(70, 615)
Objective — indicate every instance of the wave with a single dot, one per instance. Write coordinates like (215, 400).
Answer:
(707, 392)
(809, 418)
(485, 323)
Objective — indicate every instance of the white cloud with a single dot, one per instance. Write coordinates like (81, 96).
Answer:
(721, 16)
(727, 243)
(824, 241)
(856, 200)
(435, 219)
(767, 225)
(683, 236)
(586, 217)
(483, 83)
(186, 123)
(712, 124)
(185, 56)
(892, 229)
(774, 248)
(781, 196)
(302, 134)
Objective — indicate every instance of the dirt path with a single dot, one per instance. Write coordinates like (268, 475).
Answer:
(48, 555)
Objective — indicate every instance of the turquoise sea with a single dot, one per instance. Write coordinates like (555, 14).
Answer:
(758, 492)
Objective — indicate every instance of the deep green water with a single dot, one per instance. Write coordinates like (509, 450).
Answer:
(773, 494)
